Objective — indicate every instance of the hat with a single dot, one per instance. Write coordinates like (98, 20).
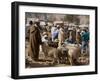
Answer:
(70, 28)
(45, 33)
(36, 20)
(56, 40)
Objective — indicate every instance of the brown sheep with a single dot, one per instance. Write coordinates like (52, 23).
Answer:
(73, 54)
(57, 54)
(50, 52)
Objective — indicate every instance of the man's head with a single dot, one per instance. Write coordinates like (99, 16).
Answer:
(30, 22)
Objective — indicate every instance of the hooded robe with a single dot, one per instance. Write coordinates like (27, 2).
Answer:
(34, 42)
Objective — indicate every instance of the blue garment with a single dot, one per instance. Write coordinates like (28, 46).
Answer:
(85, 40)
(55, 34)
(85, 36)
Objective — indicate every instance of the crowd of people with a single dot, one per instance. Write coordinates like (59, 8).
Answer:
(57, 34)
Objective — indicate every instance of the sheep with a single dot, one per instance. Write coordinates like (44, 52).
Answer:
(50, 52)
(62, 54)
(58, 55)
(73, 54)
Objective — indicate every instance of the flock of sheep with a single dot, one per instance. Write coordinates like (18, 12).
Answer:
(69, 54)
